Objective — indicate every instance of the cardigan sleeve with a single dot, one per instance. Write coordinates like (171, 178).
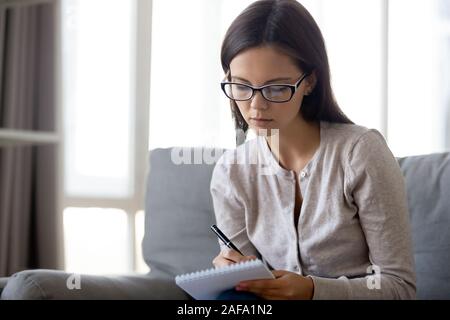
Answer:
(229, 210)
(376, 184)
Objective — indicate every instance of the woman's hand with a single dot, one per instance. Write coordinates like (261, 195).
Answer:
(229, 256)
(286, 286)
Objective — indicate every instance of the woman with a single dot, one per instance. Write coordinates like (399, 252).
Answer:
(326, 207)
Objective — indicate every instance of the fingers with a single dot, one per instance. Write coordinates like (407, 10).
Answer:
(226, 257)
(230, 256)
(267, 289)
(279, 273)
(247, 258)
(271, 297)
(269, 294)
(220, 261)
(258, 285)
(287, 285)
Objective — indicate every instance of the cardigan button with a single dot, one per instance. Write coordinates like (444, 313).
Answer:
(303, 174)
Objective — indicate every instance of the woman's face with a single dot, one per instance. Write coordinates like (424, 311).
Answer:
(268, 65)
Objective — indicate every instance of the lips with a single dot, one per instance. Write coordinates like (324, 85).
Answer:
(261, 122)
(261, 119)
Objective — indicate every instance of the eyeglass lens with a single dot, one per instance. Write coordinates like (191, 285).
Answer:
(271, 93)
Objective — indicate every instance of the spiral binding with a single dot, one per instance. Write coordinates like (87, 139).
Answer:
(206, 273)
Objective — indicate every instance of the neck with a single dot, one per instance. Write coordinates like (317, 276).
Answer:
(296, 145)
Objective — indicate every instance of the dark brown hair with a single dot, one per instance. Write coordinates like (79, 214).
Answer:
(287, 25)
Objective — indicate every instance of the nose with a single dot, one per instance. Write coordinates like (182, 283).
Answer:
(258, 101)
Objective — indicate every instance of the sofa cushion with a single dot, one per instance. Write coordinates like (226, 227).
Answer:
(179, 212)
(428, 190)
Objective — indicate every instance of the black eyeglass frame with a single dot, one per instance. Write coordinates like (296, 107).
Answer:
(293, 87)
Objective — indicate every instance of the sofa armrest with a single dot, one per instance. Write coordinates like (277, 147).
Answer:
(3, 282)
(53, 284)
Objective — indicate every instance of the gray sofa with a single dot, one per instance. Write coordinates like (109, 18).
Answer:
(178, 239)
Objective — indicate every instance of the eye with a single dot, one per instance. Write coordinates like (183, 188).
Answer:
(240, 87)
(277, 90)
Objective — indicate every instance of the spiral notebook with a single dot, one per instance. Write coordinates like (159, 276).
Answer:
(208, 284)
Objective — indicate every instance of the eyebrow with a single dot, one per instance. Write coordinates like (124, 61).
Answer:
(269, 81)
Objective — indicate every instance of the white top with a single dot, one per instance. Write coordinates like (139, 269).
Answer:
(353, 220)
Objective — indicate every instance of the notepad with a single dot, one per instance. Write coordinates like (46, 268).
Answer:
(208, 284)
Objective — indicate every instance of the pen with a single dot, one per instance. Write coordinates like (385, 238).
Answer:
(224, 239)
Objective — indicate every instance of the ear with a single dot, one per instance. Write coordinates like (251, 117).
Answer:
(311, 81)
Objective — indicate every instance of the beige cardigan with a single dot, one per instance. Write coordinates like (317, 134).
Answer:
(353, 235)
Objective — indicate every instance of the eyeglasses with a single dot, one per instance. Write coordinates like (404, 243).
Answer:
(277, 93)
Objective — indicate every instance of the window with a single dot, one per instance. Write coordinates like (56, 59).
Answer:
(419, 68)
(98, 59)
(183, 115)
(140, 265)
(105, 99)
(381, 76)
(96, 241)
(353, 34)
(355, 58)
